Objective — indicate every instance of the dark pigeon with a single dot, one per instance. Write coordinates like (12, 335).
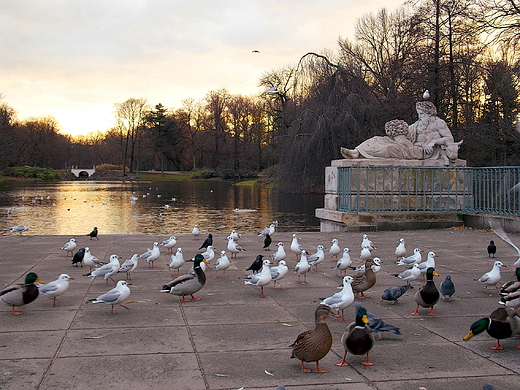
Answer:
(93, 234)
(267, 242)
(492, 249)
(207, 242)
(257, 264)
(78, 257)
(394, 293)
(447, 288)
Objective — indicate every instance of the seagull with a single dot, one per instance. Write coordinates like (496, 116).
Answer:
(55, 288)
(394, 293)
(234, 248)
(400, 250)
(416, 258)
(376, 267)
(344, 262)
(367, 242)
(257, 264)
(302, 267)
(78, 257)
(195, 232)
(116, 296)
(151, 254)
(69, 246)
(235, 235)
(295, 246)
(491, 248)
(335, 249)
(497, 229)
(222, 264)
(261, 279)
(107, 270)
(317, 257)
(267, 242)
(208, 254)
(447, 288)
(426, 95)
(255, 51)
(90, 260)
(410, 274)
(365, 253)
(207, 242)
(19, 229)
(177, 261)
(430, 262)
(376, 324)
(268, 230)
(94, 234)
(278, 272)
(169, 243)
(280, 253)
(342, 299)
(129, 265)
(492, 277)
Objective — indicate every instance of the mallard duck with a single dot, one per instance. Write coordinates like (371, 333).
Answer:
(116, 296)
(357, 338)
(21, 294)
(189, 283)
(365, 281)
(313, 345)
(427, 295)
(502, 323)
(55, 288)
(511, 286)
(492, 277)
(342, 299)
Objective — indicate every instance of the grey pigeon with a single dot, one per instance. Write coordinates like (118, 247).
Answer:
(377, 324)
(447, 288)
(394, 293)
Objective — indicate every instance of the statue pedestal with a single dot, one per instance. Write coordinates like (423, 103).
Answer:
(393, 201)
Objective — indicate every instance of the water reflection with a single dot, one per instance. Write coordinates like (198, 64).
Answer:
(74, 208)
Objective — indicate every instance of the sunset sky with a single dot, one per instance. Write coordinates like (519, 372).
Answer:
(74, 59)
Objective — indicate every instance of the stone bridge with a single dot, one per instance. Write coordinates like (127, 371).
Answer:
(82, 172)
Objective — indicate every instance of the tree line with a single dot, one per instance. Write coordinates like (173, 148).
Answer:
(464, 52)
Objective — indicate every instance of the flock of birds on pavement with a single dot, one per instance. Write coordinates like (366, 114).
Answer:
(314, 344)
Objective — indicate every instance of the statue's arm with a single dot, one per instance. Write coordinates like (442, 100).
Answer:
(444, 136)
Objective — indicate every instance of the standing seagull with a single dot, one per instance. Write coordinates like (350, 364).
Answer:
(367, 242)
(295, 246)
(268, 230)
(317, 257)
(208, 254)
(492, 277)
(94, 234)
(261, 279)
(177, 261)
(302, 267)
(90, 260)
(234, 248)
(416, 258)
(55, 288)
(335, 249)
(195, 232)
(344, 262)
(151, 254)
(400, 250)
(280, 253)
(169, 243)
(342, 299)
(116, 296)
(365, 253)
(222, 264)
(278, 272)
(107, 270)
(69, 246)
(129, 265)
(410, 274)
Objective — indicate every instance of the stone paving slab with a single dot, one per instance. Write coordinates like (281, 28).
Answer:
(233, 338)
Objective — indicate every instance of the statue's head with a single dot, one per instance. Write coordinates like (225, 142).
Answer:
(427, 107)
(396, 127)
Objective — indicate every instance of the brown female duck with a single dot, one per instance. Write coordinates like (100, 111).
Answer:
(427, 295)
(313, 345)
(364, 281)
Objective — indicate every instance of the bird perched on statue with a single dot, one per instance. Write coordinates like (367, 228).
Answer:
(427, 295)
(394, 293)
(78, 257)
(55, 288)
(94, 234)
(69, 246)
(376, 324)
(267, 242)
(116, 296)
(207, 242)
(491, 249)
(256, 266)
(447, 288)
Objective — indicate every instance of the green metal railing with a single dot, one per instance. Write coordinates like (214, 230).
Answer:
(429, 189)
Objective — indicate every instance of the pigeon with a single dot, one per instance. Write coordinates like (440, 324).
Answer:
(342, 299)
(394, 293)
(90, 260)
(176, 261)
(267, 242)
(129, 265)
(116, 296)
(416, 258)
(280, 253)
(55, 288)
(234, 248)
(295, 246)
(278, 272)
(497, 229)
(222, 264)
(207, 242)
(410, 274)
(169, 243)
(195, 232)
(492, 277)
(334, 249)
(447, 288)
(317, 257)
(78, 257)
(107, 270)
(69, 246)
(256, 265)
(94, 234)
(151, 254)
(400, 250)
(344, 262)
(491, 249)
(376, 324)
(367, 242)
(262, 278)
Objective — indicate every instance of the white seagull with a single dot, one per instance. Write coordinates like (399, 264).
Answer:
(234, 248)
(90, 260)
(129, 265)
(235, 235)
(261, 279)
(430, 262)
(268, 230)
(302, 267)
(365, 253)
(208, 254)
(492, 277)
(55, 288)
(69, 246)
(222, 264)
(416, 258)
(342, 299)
(195, 232)
(335, 249)
(317, 257)
(278, 272)
(410, 274)
(116, 296)
(177, 261)
(295, 246)
(151, 254)
(280, 253)
(345, 261)
(400, 250)
(169, 243)
(107, 270)
(366, 242)
(376, 267)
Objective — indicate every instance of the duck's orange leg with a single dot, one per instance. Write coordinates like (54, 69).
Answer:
(342, 363)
